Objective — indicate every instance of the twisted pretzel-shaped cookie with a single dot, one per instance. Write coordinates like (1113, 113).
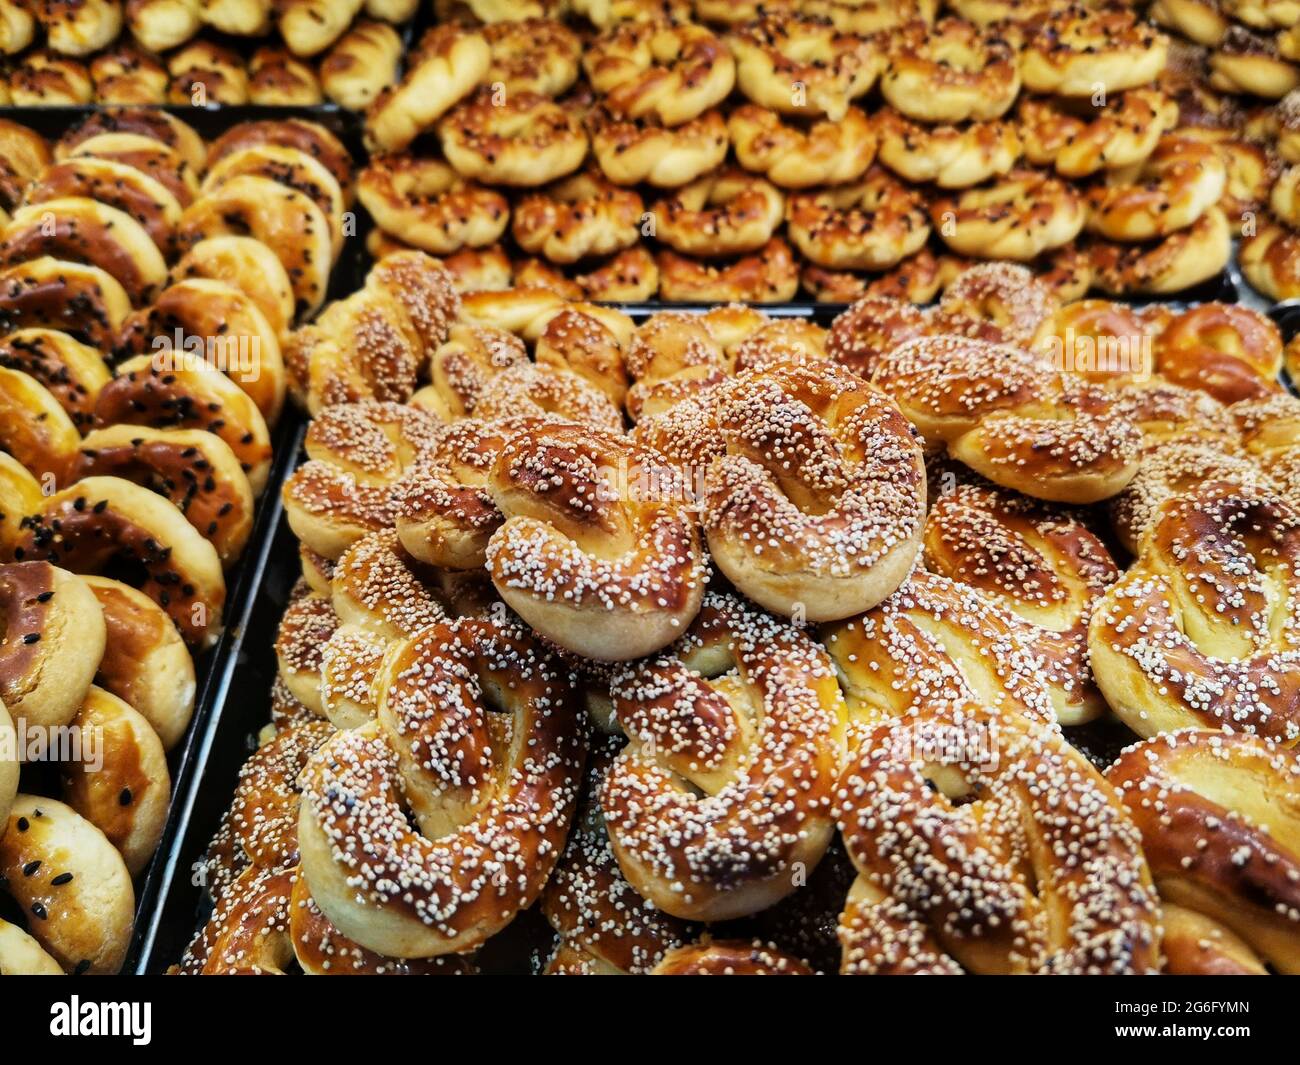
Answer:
(356, 453)
(493, 793)
(1042, 563)
(1018, 860)
(598, 551)
(673, 72)
(1204, 630)
(1012, 417)
(1218, 813)
(1166, 192)
(816, 496)
(949, 72)
(802, 65)
(724, 790)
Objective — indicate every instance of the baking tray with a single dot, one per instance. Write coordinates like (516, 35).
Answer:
(215, 667)
(240, 707)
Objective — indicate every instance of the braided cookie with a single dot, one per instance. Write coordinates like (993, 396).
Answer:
(606, 570)
(1167, 192)
(770, 275)
(871, 224)
(578, 217)
(1040, 562)
(739, 710)
(801, 65)
(529, 389)
(795, 157)
(633, 151)
(356, 453)
(460, 368)
(1019, 216)
(949, 72)
(589, 343)
(672, 72)
(1229, 351)
(873, 325)
(1252, 64)
(1023, 861)
(1012, 417)
(533, 55)
(448, 64)
(1101, 341)
(1075, 51)
(204, 72)
(1217, 813)
(529, 140)
(43, 78)
(953, 157)
(444, 513)
(823, 538)
(1270, 260)
(361, 64)
(1080, 141)
(1002, 302)
(429, 205)
(672, 356)
(729, 212)
(488, 791)
(604, 926)
(631, 276)
(1201, 632)
(1184, 259)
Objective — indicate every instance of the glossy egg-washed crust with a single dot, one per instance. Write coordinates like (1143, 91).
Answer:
(71, 881)
(1013, 857)
(1043, 563)
(1025, 426)
(105, 521)
(689, 802)
(1218, 813)
(1202, 631)
(195, 397)
(486, 796)
(606, 575)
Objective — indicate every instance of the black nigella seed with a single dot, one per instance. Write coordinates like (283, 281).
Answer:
(31, 637)
(39, 910)
(23, 824)
(82, 967)
(30, 868)
(45, 597)
(124, 797)
(61, 879)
